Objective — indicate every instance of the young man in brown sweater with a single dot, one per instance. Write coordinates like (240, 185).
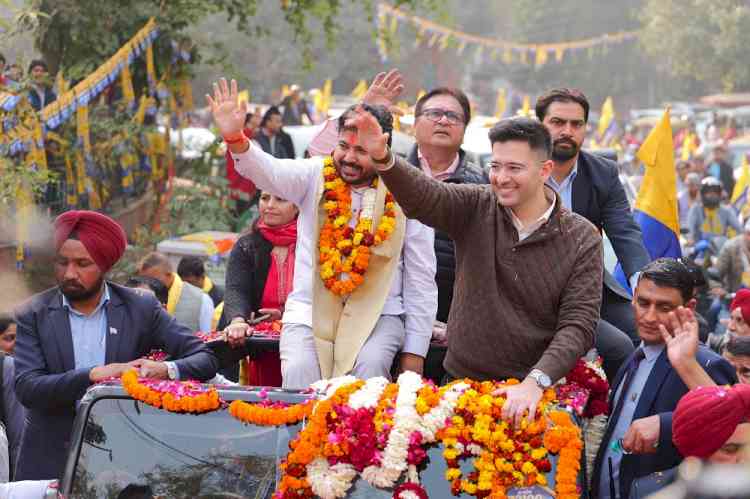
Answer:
(528, 271)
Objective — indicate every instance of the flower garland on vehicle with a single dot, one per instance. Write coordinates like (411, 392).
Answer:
(565, 438)
(585, 389)
(345, 251)
(175, 396)
(503, 456)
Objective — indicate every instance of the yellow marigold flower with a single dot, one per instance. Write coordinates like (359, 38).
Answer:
(340, 221)
(452, 473)
(329, 205)
(358, 238)
(517, 456)
(450, 453)
(484, 485)
(468, 487)
(541, 479)
(457, 420)
(528, 468)
(538, 454)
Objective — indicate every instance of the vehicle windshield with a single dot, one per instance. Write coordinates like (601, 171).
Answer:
(130, 449)
(127, 443)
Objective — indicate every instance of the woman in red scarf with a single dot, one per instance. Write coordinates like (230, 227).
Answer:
(260, 274)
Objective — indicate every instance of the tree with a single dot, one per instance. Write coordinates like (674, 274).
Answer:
(702, 39)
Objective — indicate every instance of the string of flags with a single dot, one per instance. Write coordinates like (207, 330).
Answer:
(432, 34)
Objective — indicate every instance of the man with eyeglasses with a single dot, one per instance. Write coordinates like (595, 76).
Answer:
(442, 115)
(590, 186)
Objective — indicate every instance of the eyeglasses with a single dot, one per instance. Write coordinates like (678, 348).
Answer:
(435, 115)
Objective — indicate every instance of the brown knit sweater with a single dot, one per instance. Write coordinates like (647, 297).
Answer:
(516, 305)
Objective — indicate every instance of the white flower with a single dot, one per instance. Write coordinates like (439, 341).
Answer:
(330, 482)
(369, 395)
(434, 420)
(329, 386)
(406, 420)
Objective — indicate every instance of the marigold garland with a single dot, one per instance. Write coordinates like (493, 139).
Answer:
(272, 414)
(503, 456)
(309, 443)
(174, 396)
(565, 438)
(344, 250)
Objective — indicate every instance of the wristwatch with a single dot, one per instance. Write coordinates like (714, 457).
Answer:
(171, 371)
(542, 380)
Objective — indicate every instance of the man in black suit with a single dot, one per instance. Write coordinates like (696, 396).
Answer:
(645, 392)
(84, 331)
(590, 186)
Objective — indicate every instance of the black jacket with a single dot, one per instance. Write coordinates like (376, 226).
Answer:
(49, 385)
(466, 173)
(599, 196)
(284, 144)
(247, 271)
(659, 397)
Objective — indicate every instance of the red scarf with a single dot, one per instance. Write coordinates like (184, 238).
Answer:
(280, 277)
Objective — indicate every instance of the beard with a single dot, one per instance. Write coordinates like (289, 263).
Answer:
(564, 154)
(75, 292)
(362, 178)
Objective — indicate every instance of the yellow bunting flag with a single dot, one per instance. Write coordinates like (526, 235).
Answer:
(151, 67)
(70, 183)
(421, 94)
(243, 96)
(689, 146)
(541, 56)
(526, 106)
(61, 86)
(126, 81)
(23, 222)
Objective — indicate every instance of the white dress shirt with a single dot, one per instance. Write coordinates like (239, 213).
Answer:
(414, 291)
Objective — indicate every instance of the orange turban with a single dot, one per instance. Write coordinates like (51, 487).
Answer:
(103, 237)
(706, 417)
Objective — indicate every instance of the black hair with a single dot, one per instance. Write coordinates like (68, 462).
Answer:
(670, 273)
(456, 93)
(191, 266)
(134, 491)
(155, 285)
(561, 95)
(2, 58)
(738, 345)
(248, 117)
(5, 321)
(273, 110)
(526, 130)
(381, 113)
(37, 62)
(699, 277)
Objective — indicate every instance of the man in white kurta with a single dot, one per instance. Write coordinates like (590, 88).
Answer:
(403, 323)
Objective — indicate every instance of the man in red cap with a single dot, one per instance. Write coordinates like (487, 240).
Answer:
(739, 319)
(712, 423)
(84, 331)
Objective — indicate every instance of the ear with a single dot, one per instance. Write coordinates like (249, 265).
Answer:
(691, 304)
(547, 168)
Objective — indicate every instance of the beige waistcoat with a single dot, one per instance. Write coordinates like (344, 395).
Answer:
(341, 326)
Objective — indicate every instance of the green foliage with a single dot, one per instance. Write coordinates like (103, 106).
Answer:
(702, 39)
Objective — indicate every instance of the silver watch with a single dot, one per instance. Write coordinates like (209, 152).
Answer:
(542, 380)
(171, 371)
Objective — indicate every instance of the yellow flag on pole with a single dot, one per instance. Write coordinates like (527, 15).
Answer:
(501, 104)
(606, 117)
(360, 90)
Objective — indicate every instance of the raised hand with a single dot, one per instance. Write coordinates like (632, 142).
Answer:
(229, 114)
(370, 135)
(385, 89)
(682, 340)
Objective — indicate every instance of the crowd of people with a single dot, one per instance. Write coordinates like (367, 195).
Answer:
(366, 256)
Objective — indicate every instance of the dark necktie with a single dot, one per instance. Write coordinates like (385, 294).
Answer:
(638, 356)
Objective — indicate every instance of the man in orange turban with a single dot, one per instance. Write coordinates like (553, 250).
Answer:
(86, 330)
(712, 423)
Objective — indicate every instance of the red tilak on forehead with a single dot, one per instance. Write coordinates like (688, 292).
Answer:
(351, 138)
